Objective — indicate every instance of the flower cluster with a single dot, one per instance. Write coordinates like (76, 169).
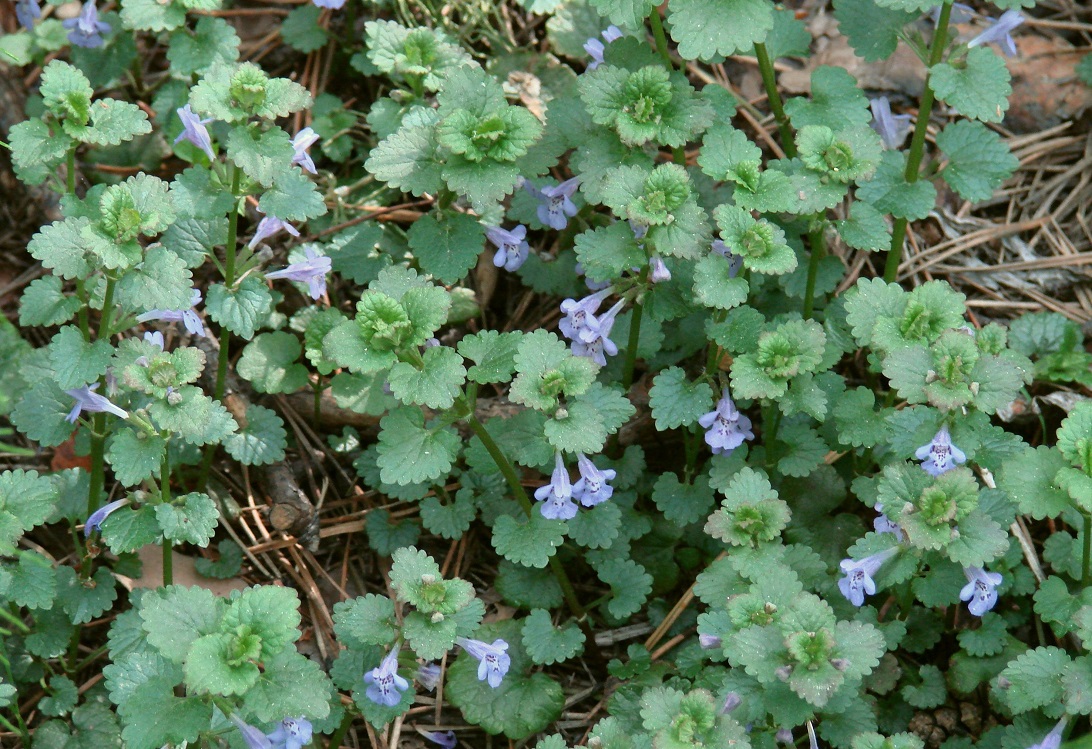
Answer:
(590, 334)
(493, 660)
(590, 489)
(311, 271)
(290, 733)
(726, 427)
(512, 247)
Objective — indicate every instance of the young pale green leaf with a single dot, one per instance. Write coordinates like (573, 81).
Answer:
(195, 417)
(75, 361)
(410, 453)
(191, 518)
(271, 363)
(241, 310)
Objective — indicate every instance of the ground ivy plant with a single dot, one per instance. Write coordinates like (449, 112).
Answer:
(796, 486)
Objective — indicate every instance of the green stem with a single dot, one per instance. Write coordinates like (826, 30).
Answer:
(165, 498)
(769, 82)
(70, 177)
(168, 563)
(818, 250)
(661, 39)
(15, 621)
(98, 450)
(631, 346)
(107, 319)
(1086, 558)
(346, 722)
(233, 229)
(917, 143)
(771, 419)
(510, 475)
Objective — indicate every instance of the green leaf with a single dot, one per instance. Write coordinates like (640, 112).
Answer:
(114, 122)
(629, 584)
(521, 705)
(268, 611)
(608, 251)
(1034, 679)
(436, 384)
(85, 599)
(62, 697)
(859, 423)
(429, 637)
(408, 160)
(293, 197)
(989, 639)
(836, 102)
(301, 30)
(547, 644)
(872, 30)
(26, 500)
(33, 583)
(577, 427)
(930, 692)
(175, 616)
(528, 587)
(446, 245)
(240, 310)
(1030, 480)
(44, 303)
(290, 685)
(154, 716)
(596, 528)
(681, 503)
(978, 161)
(127, 530)
(40, 414)
(35, 151)
(212, 40)
(261, 155)
(889, 192)
(677, 402)
(493, 354)
(66, 92)
(714, 284)
(546, 368)
(410, 453)
(865, 229)
(451, 520)
(978, 89)
(761, 243)
(162, 281)
(191, 518)
(260, 440)
(630, 14)
(271, 363)
(196, 418)
(62, 247)
(529, 542)
(76, 362)
(1075, 437)
(222, 663)
(385, 536)
(709, 29)
(365, 620)
(227, 566)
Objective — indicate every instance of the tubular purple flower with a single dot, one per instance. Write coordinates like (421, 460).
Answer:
(557, 496)
(428, 675)
(892, 128)
(592, 487)
(783, 736)
(595, 50)
(86, 29)
(594, 341)
(1001, 33)
(254, 738)
(659, 271)
(27, 12)
(268, 226)
(1053, 739)
(960, 13)
(611, 33)
(735, 262)
(493, 661)
(940, 455)
(94, 522)
(980, 590)
(709, 642)
(195, 131)
(555, 202)
(858, 580)
(444, 739)
(883, 524)
(303, 140)
(732, 700)
(331, 4)
(92, 402)
(512, 247)
(155, 338)
(292, 733)
(579, 313)
(311, 271)
(385, 686)
(726, 428)
(187, 317)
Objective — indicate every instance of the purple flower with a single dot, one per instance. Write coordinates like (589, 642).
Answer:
(331, 4)
(1053, 739)
(86, 29)
(592, 285)
(593, 341)
(27, 11)
(596, 48)
(493, 661)
(578, 314)
(311, 271)
(428, 675)
(94, 522)
(155, 338)
(292, 733)
(735, 262)
(88, 400)
(592, 487)
(709, 642)
(555, 202)
(512, 248)
(195, 131)
(892, 128)
(940, 455)
(732, 700)
(783, 736)
(980, 590)
(858, 580)
(303, 140)
(659, 272)
(253, 737)
(726, 428)
(385, 686)
(187, 317)
(883, 524)
(1000, 33)
(445, 739)
(557, 496)
(268, 226)
(960, 13)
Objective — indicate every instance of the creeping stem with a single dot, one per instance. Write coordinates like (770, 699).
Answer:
(815, 239)
(769, 82)
(917, 143)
